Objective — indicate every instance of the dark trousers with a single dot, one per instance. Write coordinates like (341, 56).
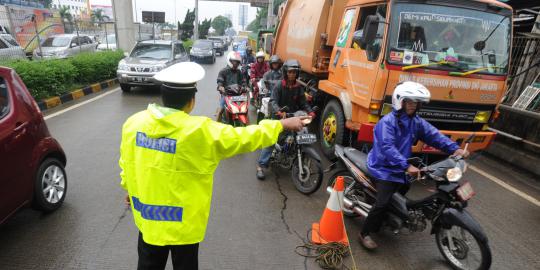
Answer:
(377, 214)
(184, 257)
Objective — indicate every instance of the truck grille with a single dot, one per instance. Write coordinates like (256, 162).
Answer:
(140, 69)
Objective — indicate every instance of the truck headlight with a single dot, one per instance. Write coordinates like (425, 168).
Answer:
(482, 117)
(454, 174)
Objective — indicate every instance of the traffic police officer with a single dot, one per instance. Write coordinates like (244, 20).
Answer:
(168, 159)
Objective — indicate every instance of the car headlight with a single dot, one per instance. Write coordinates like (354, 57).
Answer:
(454, 174)
(122, 66)
(157, 68)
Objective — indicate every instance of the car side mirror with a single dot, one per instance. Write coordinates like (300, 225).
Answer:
(72, 45)
(368, 34)
(126, 54)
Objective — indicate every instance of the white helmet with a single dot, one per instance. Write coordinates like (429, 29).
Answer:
(411, 91)
(233, 56)
(259, 54)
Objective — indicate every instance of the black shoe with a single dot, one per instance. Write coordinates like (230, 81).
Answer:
(260, 173)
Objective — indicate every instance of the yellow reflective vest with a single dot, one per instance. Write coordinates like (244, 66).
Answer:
(168, 159)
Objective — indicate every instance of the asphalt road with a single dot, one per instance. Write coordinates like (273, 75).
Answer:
(253, 224)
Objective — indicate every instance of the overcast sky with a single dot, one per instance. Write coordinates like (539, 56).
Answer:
(207, 9)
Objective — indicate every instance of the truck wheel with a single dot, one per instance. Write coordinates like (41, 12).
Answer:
(125, 87)
(332, 128)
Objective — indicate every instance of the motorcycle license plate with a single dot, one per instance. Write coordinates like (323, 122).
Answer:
(306, 138)
(465, 192)
(238, 98)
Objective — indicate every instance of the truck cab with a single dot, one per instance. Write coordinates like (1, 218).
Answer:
(460, 50)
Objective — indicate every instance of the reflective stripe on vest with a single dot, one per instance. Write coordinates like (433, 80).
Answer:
(157, 212)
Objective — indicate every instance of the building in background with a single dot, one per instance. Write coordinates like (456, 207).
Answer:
(76, 7)
(243, 15)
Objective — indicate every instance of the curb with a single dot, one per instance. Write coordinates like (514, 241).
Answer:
(52, 102)
(515, 156)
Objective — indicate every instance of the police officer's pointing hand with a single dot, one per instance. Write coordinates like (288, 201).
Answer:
(294, 123)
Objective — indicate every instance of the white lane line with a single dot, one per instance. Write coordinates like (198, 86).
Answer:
(506, 186)
(81, 104)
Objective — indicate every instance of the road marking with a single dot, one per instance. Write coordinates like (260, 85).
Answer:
(81, 104)
(506, 186)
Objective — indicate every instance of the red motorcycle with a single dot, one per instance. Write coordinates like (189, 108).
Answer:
(236, 106)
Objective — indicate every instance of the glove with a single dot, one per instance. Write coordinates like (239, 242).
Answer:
(312, 115)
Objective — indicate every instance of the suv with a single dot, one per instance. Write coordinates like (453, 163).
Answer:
(219, 45)
(63, 46)
(146, 59)
(32, 161)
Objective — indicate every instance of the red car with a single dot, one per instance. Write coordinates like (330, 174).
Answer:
(31, 161)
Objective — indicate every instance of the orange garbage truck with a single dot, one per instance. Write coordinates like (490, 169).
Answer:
(354, 53)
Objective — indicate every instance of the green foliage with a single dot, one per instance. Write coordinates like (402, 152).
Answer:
(186, 28)
(46, 78)
(204, 27)
(220, 23)
(188, 44)
(262, 13)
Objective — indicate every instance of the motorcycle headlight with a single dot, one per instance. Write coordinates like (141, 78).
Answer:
(234, 109)
(454, 174)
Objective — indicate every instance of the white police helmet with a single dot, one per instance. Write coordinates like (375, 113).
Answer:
(181, 76)
(233, 56)
(411, 91)
(259, 54)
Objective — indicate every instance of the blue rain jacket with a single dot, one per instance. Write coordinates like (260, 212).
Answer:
(392, 144)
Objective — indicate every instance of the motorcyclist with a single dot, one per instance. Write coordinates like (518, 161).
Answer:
(248, 58)
(394, 136)
(229, 75)
(259, 68)
(274, 76)
(289, 93)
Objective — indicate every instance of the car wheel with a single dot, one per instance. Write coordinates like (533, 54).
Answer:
(125, 87)
(50, 185)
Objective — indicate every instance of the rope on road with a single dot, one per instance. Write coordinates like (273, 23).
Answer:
(328, 256)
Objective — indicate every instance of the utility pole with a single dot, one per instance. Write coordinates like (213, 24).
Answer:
(196, 22)
(270, 17)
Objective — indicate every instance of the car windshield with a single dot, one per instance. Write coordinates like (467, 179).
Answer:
(56, 42)
(467, 39)
(203, 45)
(154, 51)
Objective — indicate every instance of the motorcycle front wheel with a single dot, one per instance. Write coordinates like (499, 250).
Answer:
(311, 177)
(467, 252)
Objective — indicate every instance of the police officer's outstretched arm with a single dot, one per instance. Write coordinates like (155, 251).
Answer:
(433, 137)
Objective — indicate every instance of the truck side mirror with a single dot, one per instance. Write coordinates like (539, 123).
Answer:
(370, 30)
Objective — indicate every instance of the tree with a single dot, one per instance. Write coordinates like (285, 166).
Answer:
(47, 3)
(65, 14)
(204, 27)
(186, 28)
(263, 13)
(220, 23)
(99, 16)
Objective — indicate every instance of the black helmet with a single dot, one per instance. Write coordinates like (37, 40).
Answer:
(248, 49)
(291, 64)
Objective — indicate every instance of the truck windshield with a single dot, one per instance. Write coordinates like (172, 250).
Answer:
(464, 39)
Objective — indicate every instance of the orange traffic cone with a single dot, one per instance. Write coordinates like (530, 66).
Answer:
(331, 227)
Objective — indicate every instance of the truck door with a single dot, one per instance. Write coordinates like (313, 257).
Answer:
(361, 66)
(337, 66)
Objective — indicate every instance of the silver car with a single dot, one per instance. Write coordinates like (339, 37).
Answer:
(63, 46)
(10, 49)
(146, 59)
